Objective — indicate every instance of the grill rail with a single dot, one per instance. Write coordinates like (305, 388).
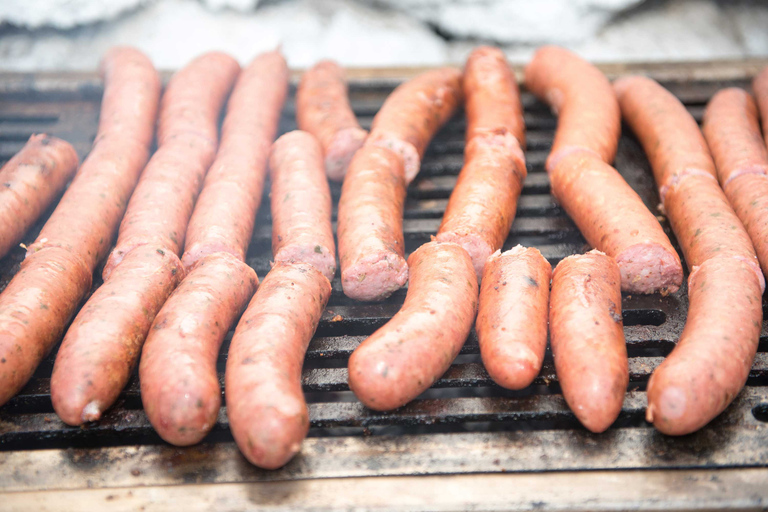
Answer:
(464, 426)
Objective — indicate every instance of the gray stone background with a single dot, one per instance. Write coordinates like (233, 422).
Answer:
(72, 34)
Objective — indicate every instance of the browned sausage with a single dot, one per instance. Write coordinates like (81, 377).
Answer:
(760, 87)
(673, 142)
(301, 203)
(413, 113)
(29, 182)
(587, 337)
(322, 109)
(733, 134)
(370, 225)
(483, 202)
(613, 218)
(187, 135)
(103, 343)
(716, 248)
(492, 98)
(711, 361)
(34, 309)
(223, 218)
(55, 280)
(179, 385)
(267, 412)
(512, 317)
(153, 228)
(589, 120)
(411, 351)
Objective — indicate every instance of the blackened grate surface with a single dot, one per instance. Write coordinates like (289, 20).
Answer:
(464, 424)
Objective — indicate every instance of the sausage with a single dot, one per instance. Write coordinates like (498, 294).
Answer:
(673, 142)
(187, 135)
(482, 205)
(103, 343)
(613, 218)
(760, 88)
(733, 134)
(76, 237)
(491, 95)
(153, 229)
(370, 225)
(108, 175)
(267, 412)
(587, 337)
(716, 248)
(411, 351)
(512, 316)
(322, 109)
(224, 214)
(589, 119)
(712, 359)
(413, 113)
(179, 385)
(31, 180)
(301, 203)
(34, 308)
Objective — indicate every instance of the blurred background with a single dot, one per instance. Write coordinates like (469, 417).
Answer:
(72, 34)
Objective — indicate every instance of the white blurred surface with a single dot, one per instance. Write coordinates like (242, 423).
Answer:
(371, 33)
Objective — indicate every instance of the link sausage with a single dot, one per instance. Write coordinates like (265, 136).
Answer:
(370, 225)
(587, 337)
(29, 183)
(267, 412)
(512, 317)
(224, 214)
(179, 385)
(411, 351)
(301, 203)
(413, 113)
(322, 109)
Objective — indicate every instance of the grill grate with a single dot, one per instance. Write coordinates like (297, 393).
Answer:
(464, 424)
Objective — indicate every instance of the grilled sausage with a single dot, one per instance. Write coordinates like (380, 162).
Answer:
(718, 251)
(587, 337)
(610, 215)
(482, 205)
(589, 120)
(760, 87)
(179, 385)
(411, 351)
(673, 142)
(613, 218)
(224, 214)
(103, 343)
(34, 309)
(370, 225)
(301, 203)
(733, 134)
(31, 180)
(512, 317)
(79, 232)
(108, 175)
(491, 95)
(267, 412)
(712, 359)
(322, 109)
(187, 135)
(413, 113)
(154, 224)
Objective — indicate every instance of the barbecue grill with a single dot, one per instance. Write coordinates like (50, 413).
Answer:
(465, 443)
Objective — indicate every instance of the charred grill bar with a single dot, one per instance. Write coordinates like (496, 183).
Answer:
(464, 426)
